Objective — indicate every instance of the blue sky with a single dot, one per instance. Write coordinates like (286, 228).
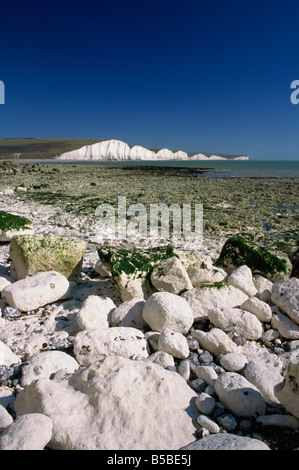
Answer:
(200, 76)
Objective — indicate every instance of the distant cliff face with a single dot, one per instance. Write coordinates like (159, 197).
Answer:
(118, 150)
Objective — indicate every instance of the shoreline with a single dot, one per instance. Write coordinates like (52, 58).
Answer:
(62, 200)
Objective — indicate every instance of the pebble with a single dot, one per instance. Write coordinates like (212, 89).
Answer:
(208, 374)
(184, 369)
(234, 362)
(245, 425)
(11, 313)
(205, 358)
(228, 422)
(205, 403)
(208, 423)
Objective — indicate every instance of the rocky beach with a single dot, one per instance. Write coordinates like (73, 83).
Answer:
(142, 344)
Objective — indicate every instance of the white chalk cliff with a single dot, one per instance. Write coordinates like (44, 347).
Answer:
(118, 150)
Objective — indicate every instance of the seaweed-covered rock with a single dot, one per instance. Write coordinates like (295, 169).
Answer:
(31, 254)
(131, 266)
(11, 225)
(237, 251)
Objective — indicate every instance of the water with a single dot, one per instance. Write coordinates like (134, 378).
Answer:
(214, 168)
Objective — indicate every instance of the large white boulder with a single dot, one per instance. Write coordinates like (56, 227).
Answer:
(227, 441)
(237, 321)
(173, 343)
(46, 363)
(210, 296)
(215, 341)
(265, 379)
(286, 327)
(95, 344)
(285, 294)
(239, 395)
(35, 291)
(260, 309)
(169, 275)
(30, 431)
(264, 288)
(242, 279)
(129, 314)
(167, 310)
(120, 404)
(95, 312)
(287, 391)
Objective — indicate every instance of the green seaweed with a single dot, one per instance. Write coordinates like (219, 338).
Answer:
(238, 251)
(13, 222)
(133, 260)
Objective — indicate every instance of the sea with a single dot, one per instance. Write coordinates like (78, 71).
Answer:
(214, 168)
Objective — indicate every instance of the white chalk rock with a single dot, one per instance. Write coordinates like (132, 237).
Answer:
(265, 379)
(238, 321)
(258, 308)
(95, 312)
(270, 335)
(167, 310)
(215, 341)
(120, 404)
(286, 327)
(226, 441)
(28, 432)
(129, 314)
(101, 269)
(5, 279)
(283, 421)
(173, 343)
(234, 362)
(287, 391)
(264, 288)
(199, 276)
(169, 275)
(208, 423)
(241, 278)
(45, 364)
(7, 397)
(285, 294)
(239, 395)
(94, 345)
(162, 358)
(205, 403)
(36, 291)
(5, 418)
(206, 297)
(207, 374)
(7, 357)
